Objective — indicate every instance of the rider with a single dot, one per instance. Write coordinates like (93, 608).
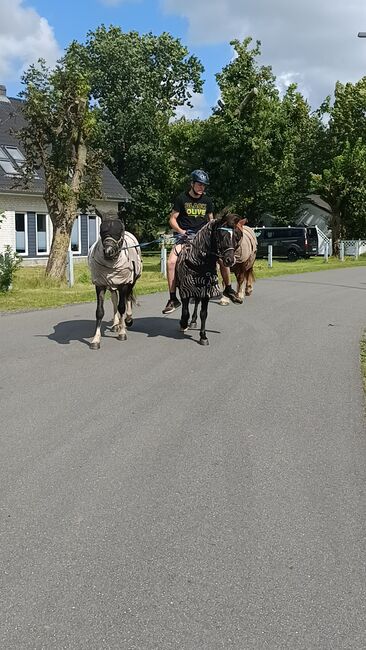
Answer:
(191, 210)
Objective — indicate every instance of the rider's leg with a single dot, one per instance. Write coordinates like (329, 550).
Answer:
(172, 260)
(228, 290)
(173, 302)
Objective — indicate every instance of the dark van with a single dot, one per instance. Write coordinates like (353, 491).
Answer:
(291, 242)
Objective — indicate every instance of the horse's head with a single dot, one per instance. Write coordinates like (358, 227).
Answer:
(112, 232)
(228, 236)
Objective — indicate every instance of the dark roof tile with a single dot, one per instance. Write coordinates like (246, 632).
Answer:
(11, 120)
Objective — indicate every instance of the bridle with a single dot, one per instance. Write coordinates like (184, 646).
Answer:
(220, 254)
(116, 244)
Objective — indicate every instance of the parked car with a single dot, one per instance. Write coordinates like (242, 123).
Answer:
(291, 242)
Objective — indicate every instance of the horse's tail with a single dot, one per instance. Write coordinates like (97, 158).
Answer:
(251, 275)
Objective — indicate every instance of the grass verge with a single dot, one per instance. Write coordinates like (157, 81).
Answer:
(32, 290)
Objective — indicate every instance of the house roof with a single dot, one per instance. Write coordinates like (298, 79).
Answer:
(11, 120)
(318, 201)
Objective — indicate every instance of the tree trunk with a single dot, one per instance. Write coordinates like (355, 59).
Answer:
(336, 227)
(56, 265)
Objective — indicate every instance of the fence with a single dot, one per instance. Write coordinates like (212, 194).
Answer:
(354, 247)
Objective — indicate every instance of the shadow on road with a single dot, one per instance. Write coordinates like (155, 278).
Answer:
(154, 326)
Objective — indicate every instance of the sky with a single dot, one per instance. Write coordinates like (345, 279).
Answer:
(312, 42)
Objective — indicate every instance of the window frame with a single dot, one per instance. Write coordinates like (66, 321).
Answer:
(97, 226)
(47, 251)
(77, 252)
(25, 215)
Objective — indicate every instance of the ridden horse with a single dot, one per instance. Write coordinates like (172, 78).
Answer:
(196, 268)
(115, 264)
(245, 255)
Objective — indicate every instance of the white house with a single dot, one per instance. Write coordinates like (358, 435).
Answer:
(26, 226)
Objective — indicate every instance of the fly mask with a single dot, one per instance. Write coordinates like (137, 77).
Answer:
(112, 232)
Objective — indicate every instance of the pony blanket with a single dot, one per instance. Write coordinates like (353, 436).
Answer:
(123, 270)
(196, 276)
(247, 249)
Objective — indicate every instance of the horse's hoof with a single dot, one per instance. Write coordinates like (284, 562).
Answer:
(192, 325)
(183, 329)
(122, 337)
(203, 342)
(224, 302)
(95, 346)
(115, 328)
(240, 301)
(129, 323)
(248, 293)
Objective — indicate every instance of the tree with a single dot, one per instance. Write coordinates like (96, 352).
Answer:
(342, 180)
(257, 147)
(60, 125)
(138, 82)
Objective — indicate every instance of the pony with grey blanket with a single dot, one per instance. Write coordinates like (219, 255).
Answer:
(115, 265)
(196, 268)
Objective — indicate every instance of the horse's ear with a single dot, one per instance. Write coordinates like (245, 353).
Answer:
(241, 222)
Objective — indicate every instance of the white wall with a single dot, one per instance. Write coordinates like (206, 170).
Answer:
(7, 229)
(12, 203)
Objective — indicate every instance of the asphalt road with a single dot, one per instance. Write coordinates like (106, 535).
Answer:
(160, 495)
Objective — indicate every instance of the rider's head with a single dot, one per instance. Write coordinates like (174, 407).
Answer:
(199, 182)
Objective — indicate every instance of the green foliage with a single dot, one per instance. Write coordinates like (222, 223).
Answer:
(137, 84)
(9, 263)
(342, 180)
(259, 149)
(60, 124)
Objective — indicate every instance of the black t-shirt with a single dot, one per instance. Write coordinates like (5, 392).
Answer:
(192, 212)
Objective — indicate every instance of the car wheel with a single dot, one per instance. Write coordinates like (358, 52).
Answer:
(292, 255)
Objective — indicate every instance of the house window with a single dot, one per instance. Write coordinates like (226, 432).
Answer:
(15, 153)
(12, 161)
(7, 166)
(92, 230)
(21, 236)
(75, 236)
(41, 234)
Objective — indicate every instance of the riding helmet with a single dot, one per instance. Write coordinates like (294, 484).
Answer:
(199, 176)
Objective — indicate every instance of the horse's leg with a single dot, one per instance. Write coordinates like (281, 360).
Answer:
(122, 291)
(185, 315)
(203, 315)
(100, 291)
(129, 319)
(114, 298)
(240, 278)
(193, 322)
(223, 300)
(250, 282)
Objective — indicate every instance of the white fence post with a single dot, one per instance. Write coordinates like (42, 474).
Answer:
(70, 268)
(326, 252)
(341, 251)
(270, 257)
(163, 259)
(357, 249)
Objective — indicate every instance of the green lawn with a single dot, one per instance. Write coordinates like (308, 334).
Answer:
(31, 290)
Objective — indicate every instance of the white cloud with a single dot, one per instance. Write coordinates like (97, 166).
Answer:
(313, 42)
(24, 37)
(199, 111)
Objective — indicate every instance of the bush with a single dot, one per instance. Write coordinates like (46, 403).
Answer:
(9, 263)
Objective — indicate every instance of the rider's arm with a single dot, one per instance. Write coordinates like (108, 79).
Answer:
(174, 224)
